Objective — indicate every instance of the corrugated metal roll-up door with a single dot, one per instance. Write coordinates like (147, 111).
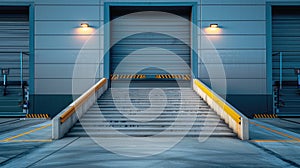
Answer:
(14, 38)
(158, 41)
(286, 39)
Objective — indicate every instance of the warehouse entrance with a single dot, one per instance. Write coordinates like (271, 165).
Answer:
(286, 59)
(14, 60)
(150, 44)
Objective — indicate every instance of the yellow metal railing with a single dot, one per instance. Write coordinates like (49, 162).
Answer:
(236, 120)
(79, 101)
(236, 117)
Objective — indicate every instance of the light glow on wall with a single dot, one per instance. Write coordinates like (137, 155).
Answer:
(84, 29)
(84, 25)
(213, 29)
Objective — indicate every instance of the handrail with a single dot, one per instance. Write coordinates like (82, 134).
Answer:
(280, 67)
(276, 98)
(21, 66)
(280, 70)
(79, 101)
(219, 101)
(70, 115)
(235, 119)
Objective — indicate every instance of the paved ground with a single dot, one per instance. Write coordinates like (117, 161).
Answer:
(291, 124)
(20, 137)
(270, 146)
(12, 124)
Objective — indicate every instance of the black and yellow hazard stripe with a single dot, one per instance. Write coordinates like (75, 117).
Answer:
(142, 76)
(45, 116)
(127, 76)
(173, 76)
(265, 116)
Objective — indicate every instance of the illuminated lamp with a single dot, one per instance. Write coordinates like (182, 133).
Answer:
(84, 25)
(213, 25)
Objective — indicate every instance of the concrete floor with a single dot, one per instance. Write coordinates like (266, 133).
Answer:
(291, 124)
(271, 147)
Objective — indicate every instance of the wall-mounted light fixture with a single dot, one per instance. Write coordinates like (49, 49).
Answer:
(84, 29)
(213, 28)
(84, 25)
(214, 25)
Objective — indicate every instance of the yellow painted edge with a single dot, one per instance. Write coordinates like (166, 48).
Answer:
(236, 117)
(276, 132)
(29, 140)
(81, 100)
(273, 140)
(25, 133)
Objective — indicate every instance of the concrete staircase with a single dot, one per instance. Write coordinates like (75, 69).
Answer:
(174, 112)
(290, 96)
(10, 104)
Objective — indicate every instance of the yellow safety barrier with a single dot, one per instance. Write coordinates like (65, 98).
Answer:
(65, 120)
(265, 116)
(77, 103)
(236, 120)
(215, 98)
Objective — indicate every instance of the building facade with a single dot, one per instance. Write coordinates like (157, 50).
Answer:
(251, 38)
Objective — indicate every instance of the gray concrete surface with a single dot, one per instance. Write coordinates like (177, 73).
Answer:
(11, 124)
(215, 152)
(291, 124)
(270, 146)
(20, 137)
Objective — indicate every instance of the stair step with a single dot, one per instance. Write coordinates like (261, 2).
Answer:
(12, 114)
(291, 106)
(10, 109)
(156, 102)
(290, 95)
(147, 124)
(196, 112)
(12, 95)
(9, 102)
(150, 129)
(124, 120)
(146, 98)
(146, 117)
(192, 115)
(292, 100)
(94, 109)
(165, 134)
(153, 104)
(289, 114)
(143, 106)
(148, 101)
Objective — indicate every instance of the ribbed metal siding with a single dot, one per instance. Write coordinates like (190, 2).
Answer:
(14, 38)
(286, 39)
(148, 48)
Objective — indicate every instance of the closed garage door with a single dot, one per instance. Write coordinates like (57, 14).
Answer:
(286, 39)
(14, 38)
(150, 41)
